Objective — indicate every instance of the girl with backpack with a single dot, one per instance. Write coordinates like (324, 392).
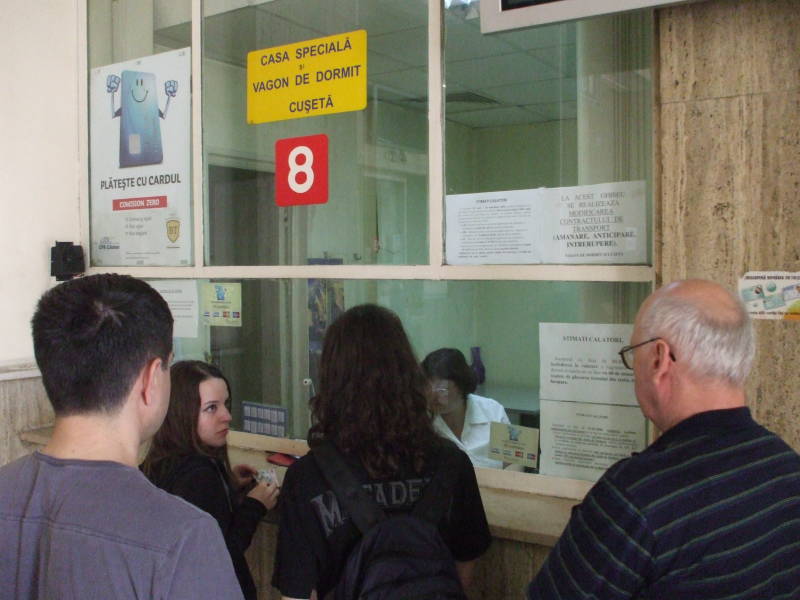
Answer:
(372, 412)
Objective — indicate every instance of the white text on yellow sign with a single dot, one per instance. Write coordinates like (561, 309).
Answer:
(316, 77)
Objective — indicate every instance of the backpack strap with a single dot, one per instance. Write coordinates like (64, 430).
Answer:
(364, 511)
(438, 493)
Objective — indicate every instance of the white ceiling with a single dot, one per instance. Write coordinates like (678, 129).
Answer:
(525, 76)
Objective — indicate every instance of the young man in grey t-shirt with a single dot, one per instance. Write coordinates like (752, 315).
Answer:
(78, 520)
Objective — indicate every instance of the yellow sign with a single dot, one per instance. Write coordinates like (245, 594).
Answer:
(514, 444)
(316, 77)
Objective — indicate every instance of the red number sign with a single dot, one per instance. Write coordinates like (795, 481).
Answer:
(301, 170)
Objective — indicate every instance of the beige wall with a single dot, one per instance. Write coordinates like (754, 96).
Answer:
(38, 156)
(23, 406)
(729, 161)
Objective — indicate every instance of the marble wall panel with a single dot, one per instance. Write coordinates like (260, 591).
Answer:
(728, 148)
(23, 406)
(725, 48)
(506, 569)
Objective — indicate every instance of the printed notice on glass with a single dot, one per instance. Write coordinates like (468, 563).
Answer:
(603, 223)
(496, 228)
(181, 296)
(580, 362)
(140, 151)
(581, 441)
(590, 224)
(771, 294)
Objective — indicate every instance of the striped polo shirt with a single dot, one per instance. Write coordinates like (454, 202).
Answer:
(710, 510)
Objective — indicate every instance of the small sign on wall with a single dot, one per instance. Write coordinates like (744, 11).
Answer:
(771, 294)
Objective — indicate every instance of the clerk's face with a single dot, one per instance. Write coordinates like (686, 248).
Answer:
(447, 396)
(214, 419)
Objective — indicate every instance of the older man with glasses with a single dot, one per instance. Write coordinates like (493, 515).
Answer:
(711, 509)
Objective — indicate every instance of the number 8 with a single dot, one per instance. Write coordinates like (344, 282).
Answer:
(295, 169)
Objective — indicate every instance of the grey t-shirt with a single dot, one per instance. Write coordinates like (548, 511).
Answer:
(99, 529)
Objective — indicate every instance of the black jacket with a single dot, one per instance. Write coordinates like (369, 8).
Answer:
(201, 480)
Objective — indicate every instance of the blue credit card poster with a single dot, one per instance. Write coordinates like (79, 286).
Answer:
(140, 156)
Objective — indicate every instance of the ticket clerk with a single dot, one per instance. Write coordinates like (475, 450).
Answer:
(461, 415)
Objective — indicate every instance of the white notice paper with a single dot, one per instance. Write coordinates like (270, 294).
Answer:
(603, 223)
(589, 224)
(580, 362)
(181, 296)
(494, 228)
(581, 441)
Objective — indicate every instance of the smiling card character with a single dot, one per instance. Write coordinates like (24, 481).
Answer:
(140, 129)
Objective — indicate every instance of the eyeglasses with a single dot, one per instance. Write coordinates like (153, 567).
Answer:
(442, 389)
(624, 353)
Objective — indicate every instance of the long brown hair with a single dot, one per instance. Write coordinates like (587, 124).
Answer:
(373, 396)
(178, 437)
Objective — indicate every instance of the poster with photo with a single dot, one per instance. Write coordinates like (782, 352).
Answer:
(140, 155)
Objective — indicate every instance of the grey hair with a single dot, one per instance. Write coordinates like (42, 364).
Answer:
(711, 345)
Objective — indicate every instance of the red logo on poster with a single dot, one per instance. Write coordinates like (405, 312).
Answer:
(301, 170)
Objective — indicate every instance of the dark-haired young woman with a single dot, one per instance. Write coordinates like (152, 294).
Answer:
(373, 405)
(188, 457)
(461, 415)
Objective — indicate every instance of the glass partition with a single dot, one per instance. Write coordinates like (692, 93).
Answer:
(375, 208)
(556, 118)
(564, 107)
(122, 30)
(271, 355)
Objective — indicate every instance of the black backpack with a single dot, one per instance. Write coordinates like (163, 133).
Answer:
(399, 557)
